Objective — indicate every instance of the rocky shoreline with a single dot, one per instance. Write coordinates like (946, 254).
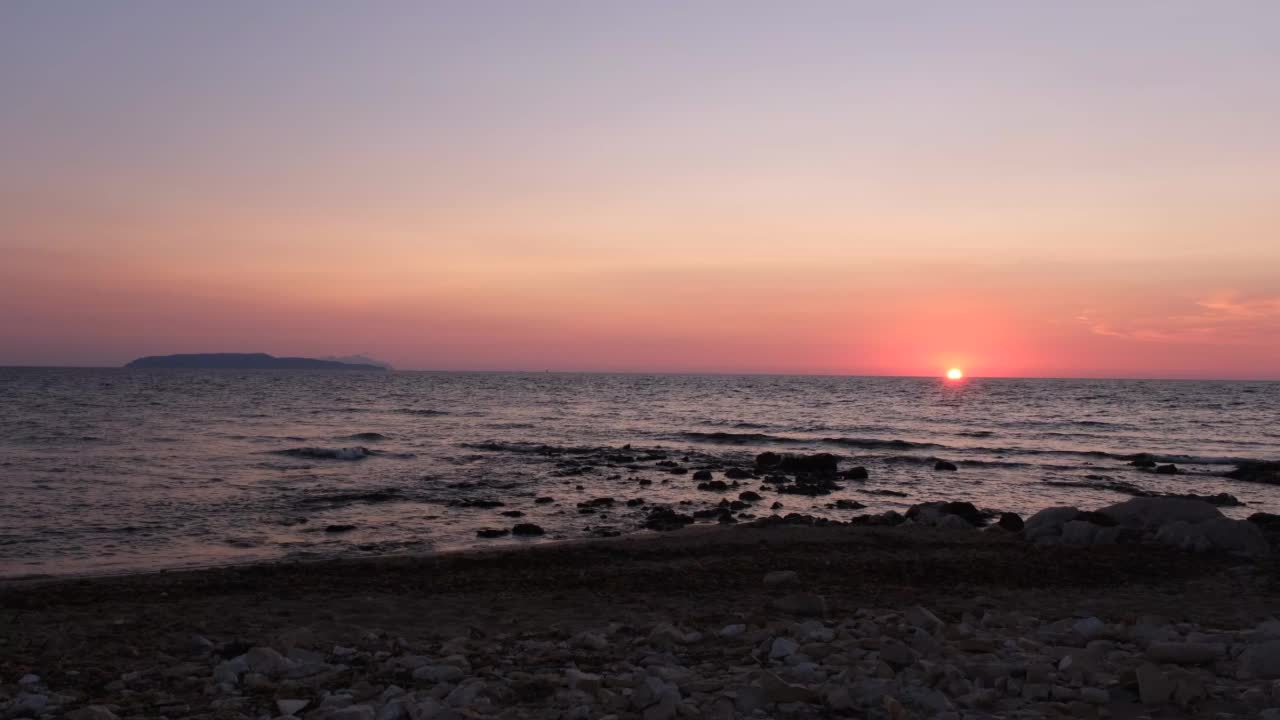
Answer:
(781, 617)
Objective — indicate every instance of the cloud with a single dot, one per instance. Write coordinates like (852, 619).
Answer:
(1225, 317)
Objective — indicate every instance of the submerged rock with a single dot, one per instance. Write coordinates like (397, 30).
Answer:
(527, 530)
(1262, 471)
(944, 465)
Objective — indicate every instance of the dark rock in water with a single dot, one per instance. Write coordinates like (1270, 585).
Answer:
(737, 474)
(702, 475)
(1010, 521)
(855, 473)
(492, 532)
(714, 486)
(1169, 469)
(776, 506)
(512, 513)
(645, 482)
(749, 496)
(527, 530)
(339, 528)
(944, 465)
(1143, 460)
(888, 518)
(544, 500)
(679, 471)
(811, 485)
(886, 493)
(667, 463)
(768, 460)
(663, 519)
(819, 464)
(1259, 472)
(726, 517)
(486, 504)
(633, 502)
(598, 502)
(843, 504)
(933, 513)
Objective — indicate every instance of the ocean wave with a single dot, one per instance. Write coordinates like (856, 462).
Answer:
(729, 438)
(346, 498)
(425, 412)
(323, 453)
(528, 448)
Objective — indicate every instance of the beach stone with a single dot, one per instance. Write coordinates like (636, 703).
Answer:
(1185, 653)
(896, 653)
(94, 712)
(781, 578)
(1236, 536)
(804, 604)
(1155, 512)
(778, 690)
(1048, 522)
(1262, 660)
(291, 707)
(586, 682)
(655, 698)
(354, 712)
(29, 680)
(782, 648)
(1154, 687)
(438, 673)
(1095, 696)
(732, 631)
(1089, 628)
(589, 640)
(1010, 521)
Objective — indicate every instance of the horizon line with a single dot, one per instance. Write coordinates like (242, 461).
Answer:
(756, 373)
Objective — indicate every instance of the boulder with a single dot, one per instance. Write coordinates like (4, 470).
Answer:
(1239, 537)
(1152, 513)
(1011, 522)
(944, 465)
(702, 475)
(1169, 469)
(528, 530)
(1048, 522)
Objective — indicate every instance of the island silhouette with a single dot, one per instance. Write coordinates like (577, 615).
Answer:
(245, 361)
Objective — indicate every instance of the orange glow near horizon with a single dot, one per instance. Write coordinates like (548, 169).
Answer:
(646, 187)
(955, 374)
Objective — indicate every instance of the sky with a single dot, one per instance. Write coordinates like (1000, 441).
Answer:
(1084, 189)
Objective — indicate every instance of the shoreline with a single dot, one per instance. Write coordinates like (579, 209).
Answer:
(489, 622)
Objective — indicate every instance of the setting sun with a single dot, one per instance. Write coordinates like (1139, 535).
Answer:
(955, 374)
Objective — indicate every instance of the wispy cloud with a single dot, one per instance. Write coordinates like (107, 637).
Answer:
(1225, 317)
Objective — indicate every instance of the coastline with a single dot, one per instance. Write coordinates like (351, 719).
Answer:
(152, 644)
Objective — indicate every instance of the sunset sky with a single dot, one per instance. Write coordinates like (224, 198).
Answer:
(1015, 188)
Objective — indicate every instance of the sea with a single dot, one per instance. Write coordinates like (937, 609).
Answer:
(108, 471)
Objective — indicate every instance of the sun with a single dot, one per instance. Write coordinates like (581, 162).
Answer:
(955, 374)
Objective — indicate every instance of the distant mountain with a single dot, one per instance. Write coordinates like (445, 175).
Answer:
(360, 360)
(245, 361)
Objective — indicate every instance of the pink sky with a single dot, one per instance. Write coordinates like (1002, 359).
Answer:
(1074, 191)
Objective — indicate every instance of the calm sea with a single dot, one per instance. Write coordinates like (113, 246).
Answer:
(107, 471)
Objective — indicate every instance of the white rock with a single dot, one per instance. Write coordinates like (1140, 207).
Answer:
(781, 578)
(1048, 522)
(1089, 628)
(589, 640)
(354, 712)
(782, 647)
(729, 631)
(291, 707)
(266, 661)
(438, 673)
